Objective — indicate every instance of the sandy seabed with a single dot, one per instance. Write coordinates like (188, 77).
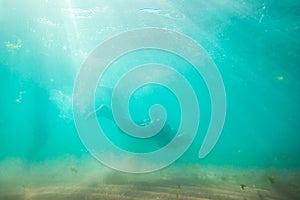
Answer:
(86, 179)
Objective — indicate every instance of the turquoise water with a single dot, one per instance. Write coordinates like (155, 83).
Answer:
(254, 44)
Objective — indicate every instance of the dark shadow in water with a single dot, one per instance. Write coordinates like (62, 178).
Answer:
(44, 112)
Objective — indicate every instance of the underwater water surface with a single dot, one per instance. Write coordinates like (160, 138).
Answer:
(255, 46)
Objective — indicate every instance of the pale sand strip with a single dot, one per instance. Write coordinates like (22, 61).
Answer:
(73, 179)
